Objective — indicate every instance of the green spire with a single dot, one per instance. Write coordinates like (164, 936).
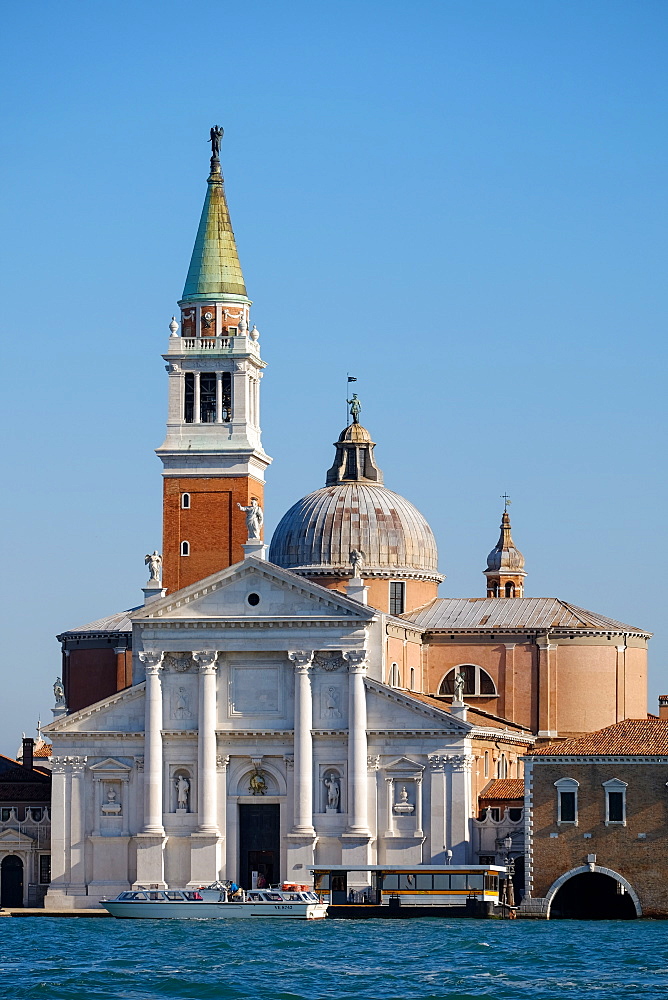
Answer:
(214, 269)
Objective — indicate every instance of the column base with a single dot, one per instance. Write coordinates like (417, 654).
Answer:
(151, 860)
(356, 848)
(205, 851)
(300, 855)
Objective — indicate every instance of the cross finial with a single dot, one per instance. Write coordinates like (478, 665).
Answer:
(506, 501)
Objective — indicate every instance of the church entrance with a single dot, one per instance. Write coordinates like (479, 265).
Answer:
(11, 881)
(592, 896)
(259, 843)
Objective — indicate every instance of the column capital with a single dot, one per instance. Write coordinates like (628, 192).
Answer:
(302, 660)
(206, 659)
(356, 660)
(152, 662)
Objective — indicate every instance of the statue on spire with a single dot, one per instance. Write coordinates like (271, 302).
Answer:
(355, 407)
(215, 135)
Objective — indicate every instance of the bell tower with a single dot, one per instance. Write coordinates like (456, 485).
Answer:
(212, 455)
(505, 563)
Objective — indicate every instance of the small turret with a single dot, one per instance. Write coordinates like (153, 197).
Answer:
(505, 564)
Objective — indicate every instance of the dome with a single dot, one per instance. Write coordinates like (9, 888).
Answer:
(318, 533)
(505, 557)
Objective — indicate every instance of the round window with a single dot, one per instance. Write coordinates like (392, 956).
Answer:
(253, 600)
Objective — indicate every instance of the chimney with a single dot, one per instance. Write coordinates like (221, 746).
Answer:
(663, 706)
(28, 749)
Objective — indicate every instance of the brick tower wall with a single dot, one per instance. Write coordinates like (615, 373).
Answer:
(213, 525)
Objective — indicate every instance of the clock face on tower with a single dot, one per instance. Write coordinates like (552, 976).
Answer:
(206, 320)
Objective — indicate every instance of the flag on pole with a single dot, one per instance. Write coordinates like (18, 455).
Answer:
(351, 378)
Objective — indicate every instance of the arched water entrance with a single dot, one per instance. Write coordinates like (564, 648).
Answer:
(11, 881)
(592, 893)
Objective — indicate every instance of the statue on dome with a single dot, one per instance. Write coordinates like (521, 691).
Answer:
(254, 518)
(154, 562)
(215, 135)
(356, 561)
(355, 408)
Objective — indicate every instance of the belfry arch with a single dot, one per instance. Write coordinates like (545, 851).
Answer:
(591, 892)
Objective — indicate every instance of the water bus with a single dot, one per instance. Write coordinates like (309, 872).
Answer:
(409, 890)
(220, 899)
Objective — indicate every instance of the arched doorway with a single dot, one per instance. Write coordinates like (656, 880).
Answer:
(11, 881)
(592, 895)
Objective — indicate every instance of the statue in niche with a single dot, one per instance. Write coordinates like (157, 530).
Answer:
(459, 687)
(111, 807)
(181, 705)
(333, 792)
(154, 562)
(330, 703)
(59, 693)
(254, 519)
(257, 784)
(403, 805)
(182, 792)
(356, 561)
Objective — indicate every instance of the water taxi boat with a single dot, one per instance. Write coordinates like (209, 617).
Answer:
(216, 900)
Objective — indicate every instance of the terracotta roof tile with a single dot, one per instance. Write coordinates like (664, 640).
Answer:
(508, 789)
(632, 737)
(44, 751)
(474, 715)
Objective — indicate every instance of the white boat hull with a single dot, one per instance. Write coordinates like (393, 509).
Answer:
(203, 910)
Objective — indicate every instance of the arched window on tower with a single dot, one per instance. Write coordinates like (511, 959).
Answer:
(477, 682)
(185, 501)
(510, 589)
(493, 589)
(395, 679)
(412, 678)
(185, 548)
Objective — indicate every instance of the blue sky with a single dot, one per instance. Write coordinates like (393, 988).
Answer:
(461, 203)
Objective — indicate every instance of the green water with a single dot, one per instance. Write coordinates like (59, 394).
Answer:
(82, 959)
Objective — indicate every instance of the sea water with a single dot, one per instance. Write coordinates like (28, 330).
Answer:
(425, 959)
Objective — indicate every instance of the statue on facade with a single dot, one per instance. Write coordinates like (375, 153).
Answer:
(459, 686)
(111, 807)
(182, 791)
(333, 792)
(215, 135)
(154, 562)
(357, 561)
(59, 693)
(257, 784)
(355, 408)
(254, 518)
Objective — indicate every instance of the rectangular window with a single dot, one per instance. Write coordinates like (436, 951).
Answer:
(458, 881)
(487, 859)
(226, 401)
(423, 882)
(474, 881)
(391, 883)
(207, 397)
(441, 881)
(615, 807)
(397, 598)
(189, 398)
(567, 807)
(44, 869)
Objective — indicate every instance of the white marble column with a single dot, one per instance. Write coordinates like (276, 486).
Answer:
(389, 783)
(77, 827)
(303, 767)
(153, 776)
(59, 827)
(358, 822)
(219, 397)
(207, 806)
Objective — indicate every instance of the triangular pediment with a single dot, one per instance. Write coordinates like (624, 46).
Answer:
(390, 708)
(254, 589)
(110, 765)
(403, 765)
(15, 838)
(119, 713)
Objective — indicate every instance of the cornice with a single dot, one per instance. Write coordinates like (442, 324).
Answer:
(243, 623)
(598, 759)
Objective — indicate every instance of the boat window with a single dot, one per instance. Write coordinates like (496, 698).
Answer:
(193, 897)
(139, 895)
(407, 881)
(255, 897)
(294, 897)
(458, 880)
(275, 897)
(423, 882)
(155, 895)
(442, 881)
(475, 881)
(391, 882)
(127, 895)
(174, 895)
(491, 882)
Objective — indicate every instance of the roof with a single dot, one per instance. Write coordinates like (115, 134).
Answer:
(473, 715)
(319, 532)
(45, 750)
(513, 613)
(504, 789)
(214, 269)
(632, 737)
(119, 622)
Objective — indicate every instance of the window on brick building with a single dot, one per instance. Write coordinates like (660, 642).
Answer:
(477, 682)
(397, 598)
(615, 802)
(567, 800)
(185, 501)
(185, 548)
(44, 869)
(412, 678)
(395, 679)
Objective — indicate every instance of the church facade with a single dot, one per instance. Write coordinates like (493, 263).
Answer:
(260, 715)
